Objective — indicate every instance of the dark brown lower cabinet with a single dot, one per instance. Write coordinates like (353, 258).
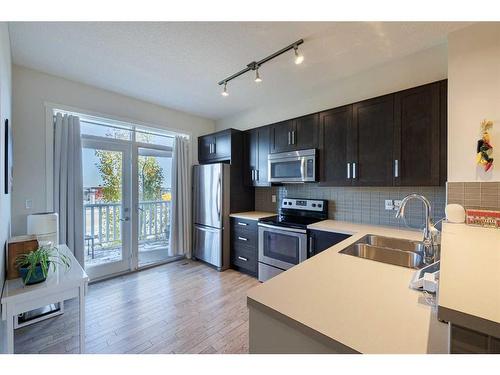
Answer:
(320, 240)
(467, 341)
(244, 245)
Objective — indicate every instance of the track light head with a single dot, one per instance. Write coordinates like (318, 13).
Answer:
(257, 76)
(299, 58)
(224, 92)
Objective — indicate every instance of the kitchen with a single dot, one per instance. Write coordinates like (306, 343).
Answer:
(278, 188)
(363, 180)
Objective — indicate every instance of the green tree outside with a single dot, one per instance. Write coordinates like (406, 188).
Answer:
(110, 168)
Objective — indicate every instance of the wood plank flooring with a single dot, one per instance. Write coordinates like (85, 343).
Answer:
(181, 307)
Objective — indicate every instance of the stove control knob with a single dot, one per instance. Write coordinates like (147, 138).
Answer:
(314, 204)
(319, 205)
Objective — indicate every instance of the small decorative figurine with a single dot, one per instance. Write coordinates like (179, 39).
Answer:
(484, 148)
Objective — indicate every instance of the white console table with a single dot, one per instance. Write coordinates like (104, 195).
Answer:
(61, 284)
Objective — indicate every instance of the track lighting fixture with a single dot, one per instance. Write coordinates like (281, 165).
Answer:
(257, 76)
(298, 57)
(255, 65)
(224, 92)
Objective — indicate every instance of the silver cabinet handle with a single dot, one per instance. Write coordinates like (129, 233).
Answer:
(353, 170)
(243, 224)
(293, 137)
(311, 245)
(348, 170)
(253, 174)
(396, 168)
(289, 138)
(243, 259)
(256, 175)
(243, 239)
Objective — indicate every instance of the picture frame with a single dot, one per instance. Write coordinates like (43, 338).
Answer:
(8, 158)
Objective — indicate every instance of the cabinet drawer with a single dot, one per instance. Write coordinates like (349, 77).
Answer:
(244, 237)
(243, 224)
(245, 258)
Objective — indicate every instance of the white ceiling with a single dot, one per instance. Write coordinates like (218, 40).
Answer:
(178, 64)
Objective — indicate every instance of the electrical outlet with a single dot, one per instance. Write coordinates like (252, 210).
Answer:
(273, 198)
(389, 204)
(28, 204)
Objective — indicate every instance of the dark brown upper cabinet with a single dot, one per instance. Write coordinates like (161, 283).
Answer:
(297, 134)
(334, 132)
(218, 147)
(371, 145)
(417, 136)
(443, 134)
(256, 151)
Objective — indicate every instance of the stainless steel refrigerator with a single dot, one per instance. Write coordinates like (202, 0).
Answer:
(211, 200)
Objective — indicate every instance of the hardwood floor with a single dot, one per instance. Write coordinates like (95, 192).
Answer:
(181, 307)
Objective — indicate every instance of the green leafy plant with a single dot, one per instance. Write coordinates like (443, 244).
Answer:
(44, 257)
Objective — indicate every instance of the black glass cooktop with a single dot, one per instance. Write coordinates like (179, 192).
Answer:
(290, 221)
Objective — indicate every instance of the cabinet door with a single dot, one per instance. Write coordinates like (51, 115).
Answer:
(261, 178)
(443, 137)
(251, 156)
(281, 136)
(372, 142)
(223, 145)
(321, 240)
(334, 132)
(417, 140)
(205, 148)
(305, 134)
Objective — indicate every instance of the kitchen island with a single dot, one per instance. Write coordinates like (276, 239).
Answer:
(337, 303)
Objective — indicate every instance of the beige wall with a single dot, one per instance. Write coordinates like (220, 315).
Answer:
(473, 94)
(5, 113)
(31, 89)
(413, 70)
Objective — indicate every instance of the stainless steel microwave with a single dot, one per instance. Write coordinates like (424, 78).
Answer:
(294, 166)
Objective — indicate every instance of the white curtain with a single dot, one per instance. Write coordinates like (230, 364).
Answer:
(68, 182)
(180, 218)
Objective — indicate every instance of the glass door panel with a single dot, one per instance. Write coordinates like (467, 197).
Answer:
(106, 196)
(154, 202)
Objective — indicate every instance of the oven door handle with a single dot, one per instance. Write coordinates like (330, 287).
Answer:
(294, 230)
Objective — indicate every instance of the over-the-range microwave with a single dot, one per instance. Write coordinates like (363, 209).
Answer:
(294, 166)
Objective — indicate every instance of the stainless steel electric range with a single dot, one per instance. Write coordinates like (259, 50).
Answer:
(283, 238)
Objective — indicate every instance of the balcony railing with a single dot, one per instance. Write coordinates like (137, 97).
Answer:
(103, 229)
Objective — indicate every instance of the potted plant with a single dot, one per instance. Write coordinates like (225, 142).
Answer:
(35, 265)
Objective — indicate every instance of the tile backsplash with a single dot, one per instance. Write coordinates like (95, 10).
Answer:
(484, 195)
(359, 204)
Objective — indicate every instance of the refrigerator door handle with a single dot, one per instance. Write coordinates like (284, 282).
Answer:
(218, 198)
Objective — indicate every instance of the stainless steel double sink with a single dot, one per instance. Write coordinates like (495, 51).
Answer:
(396, 251)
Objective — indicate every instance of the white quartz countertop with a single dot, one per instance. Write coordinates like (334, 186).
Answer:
(253, 215)
(470, 270)
(363, 304)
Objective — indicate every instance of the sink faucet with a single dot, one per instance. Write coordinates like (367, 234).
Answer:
(431, 234)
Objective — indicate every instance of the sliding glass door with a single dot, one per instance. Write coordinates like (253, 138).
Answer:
(107, 202)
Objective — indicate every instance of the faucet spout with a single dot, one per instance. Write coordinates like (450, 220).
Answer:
(430, 233)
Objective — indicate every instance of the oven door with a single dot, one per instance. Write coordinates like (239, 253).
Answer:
(282, 247)
(297, 166)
